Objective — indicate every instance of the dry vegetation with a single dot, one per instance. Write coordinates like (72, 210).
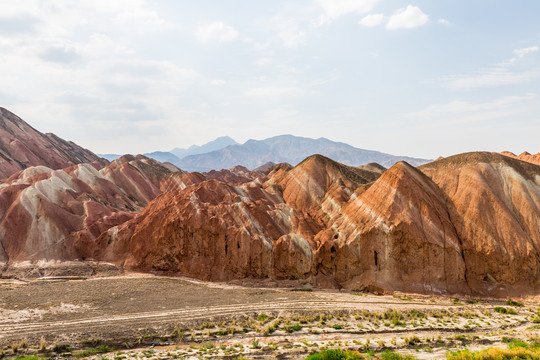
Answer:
(348, 326)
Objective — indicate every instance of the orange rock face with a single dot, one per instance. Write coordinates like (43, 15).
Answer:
(525, 156)
(494, 204)
(22, 146)
(464, 224)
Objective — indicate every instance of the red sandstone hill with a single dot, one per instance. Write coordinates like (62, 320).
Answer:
(525, 156)
(464, 224)
(57, 214)
(22, 146)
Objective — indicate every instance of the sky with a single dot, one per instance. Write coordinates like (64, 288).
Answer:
(420, 78)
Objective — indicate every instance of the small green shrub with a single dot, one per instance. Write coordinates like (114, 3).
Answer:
(336, 354)
(289, 328)
(262, 317)
(511, 302)
(60, 348)
(91, 342)
(516, 353)
(94, 351)
(413, 340)
(513, 343)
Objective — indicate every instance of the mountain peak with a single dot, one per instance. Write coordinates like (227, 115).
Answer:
(22, 146)
(216, 144)
(527, 169)
(289, 149)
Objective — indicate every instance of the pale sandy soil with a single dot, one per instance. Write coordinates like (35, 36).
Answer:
(163, 317)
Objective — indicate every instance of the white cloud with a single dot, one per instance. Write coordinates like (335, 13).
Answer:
(459, 107)
(257, 46)
(292, 37)
(217, 31)
(273, 91)
(522, 52)
(336, 8)
(74, 69)
(444, 22)
(372, 20)
(461, 112)
(490, 77)
(141, 16)
(262, 61)
(289, 30)
(496, 75)
(407, 18)
(218, 82)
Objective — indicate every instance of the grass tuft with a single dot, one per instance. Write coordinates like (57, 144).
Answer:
(511, 302)
(516, 353)
(336, 354)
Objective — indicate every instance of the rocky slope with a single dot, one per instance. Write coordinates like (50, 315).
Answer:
(22, 146)
(48, 214)
(465, 224)
(494, 204)
(525, 156)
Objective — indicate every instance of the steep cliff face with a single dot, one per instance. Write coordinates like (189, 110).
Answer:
(57, 214)
(216, 231)
(494, 204)
(210, 230)
(398, 235)
(22, 146)
(465, 224)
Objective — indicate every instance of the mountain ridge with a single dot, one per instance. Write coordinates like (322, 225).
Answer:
(287, 148)
(22, 146)
(216, 144)
(277, 149)
(467, 224)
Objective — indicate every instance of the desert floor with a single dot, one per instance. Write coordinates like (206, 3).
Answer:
(157, 317)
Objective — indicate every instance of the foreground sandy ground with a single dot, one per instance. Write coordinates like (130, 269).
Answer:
(141, 316)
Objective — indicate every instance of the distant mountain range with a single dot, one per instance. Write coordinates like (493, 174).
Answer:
(214, 145)
(224, 153)
(290, 149)
(176, 154)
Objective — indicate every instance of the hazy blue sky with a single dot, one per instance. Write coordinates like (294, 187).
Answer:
(420, 78)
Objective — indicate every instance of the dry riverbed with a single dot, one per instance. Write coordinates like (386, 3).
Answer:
(152, 317)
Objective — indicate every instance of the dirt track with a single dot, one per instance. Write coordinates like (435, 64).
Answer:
(125, 308)
(143, 310)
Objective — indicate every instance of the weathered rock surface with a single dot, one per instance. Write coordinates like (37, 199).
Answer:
(467, 224)
(464, 224)
(22, 146)
(234, 176)
(525, 156)
(494, 204)
(48, 214)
